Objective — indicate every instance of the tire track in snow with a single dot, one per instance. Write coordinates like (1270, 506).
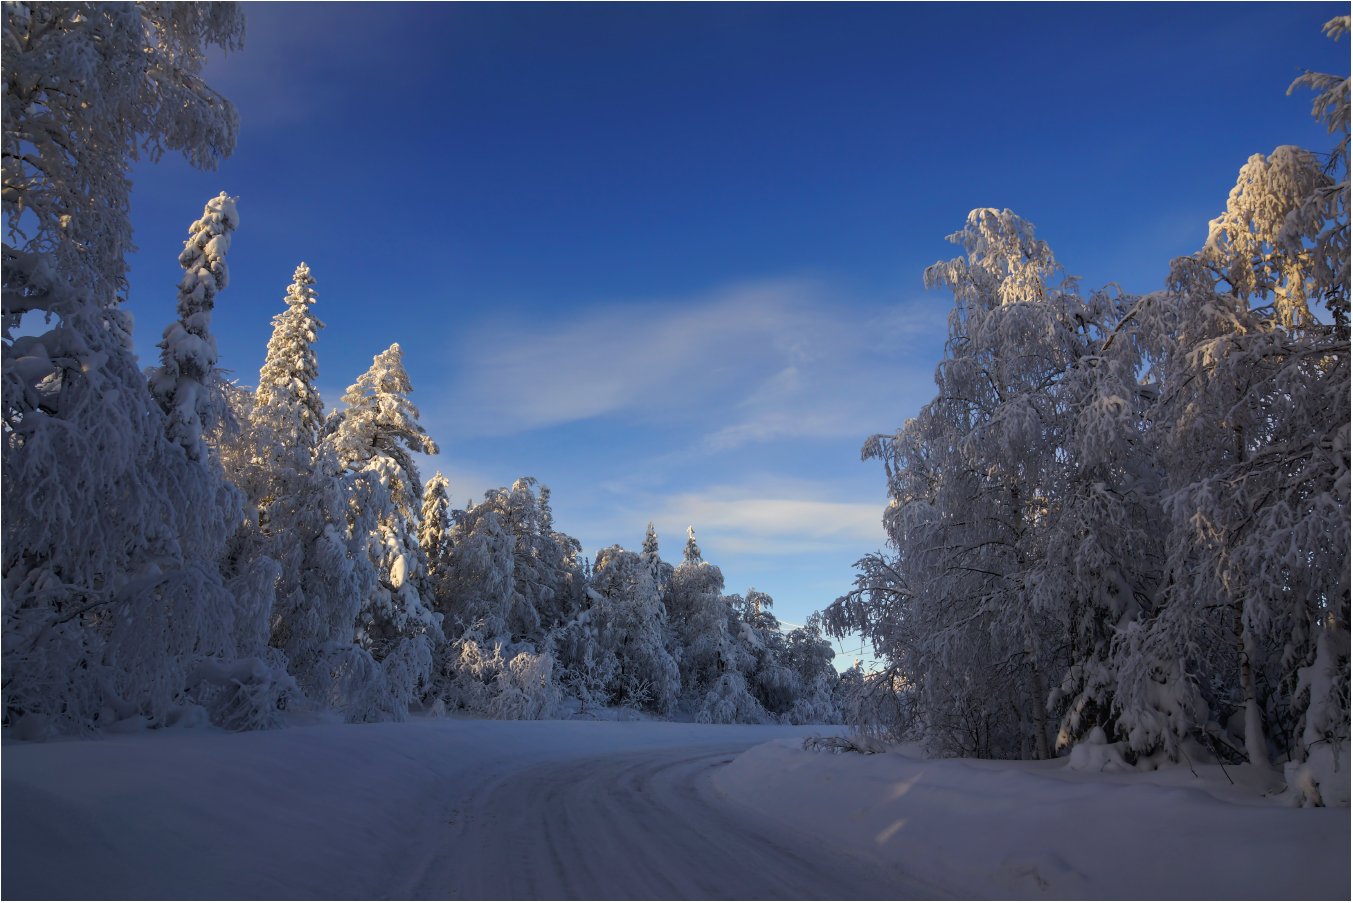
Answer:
(637, 825)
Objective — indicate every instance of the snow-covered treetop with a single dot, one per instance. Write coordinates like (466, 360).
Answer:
(380, 421)
(287, 399)
(1259, 243)
(1331, 100)
(692, 555)
(434, 526)
(546, 512)
(1003, 264)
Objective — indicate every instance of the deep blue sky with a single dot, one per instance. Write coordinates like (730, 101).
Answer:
(668, 259)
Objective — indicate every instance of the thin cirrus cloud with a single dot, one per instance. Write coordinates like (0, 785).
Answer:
(771, 517)
(757, 525)
(737, 365)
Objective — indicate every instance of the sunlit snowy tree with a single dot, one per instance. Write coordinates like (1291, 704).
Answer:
(374, 441)
(974, 480)
(1253, 435)
(434, 537)
(1161, 481)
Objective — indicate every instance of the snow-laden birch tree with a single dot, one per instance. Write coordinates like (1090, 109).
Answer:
(1252, 433)
(114, 602)
(1147, 496)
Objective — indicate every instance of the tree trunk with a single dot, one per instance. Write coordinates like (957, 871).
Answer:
(1256, 745)
(1040, 708)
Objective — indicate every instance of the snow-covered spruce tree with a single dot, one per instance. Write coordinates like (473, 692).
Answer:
(712, 662)
(186, 382)
(374, 441)
(200, 411)
(482, 596)
(114, 599)
(434, 538)
(810, 655)
(560, 556)
(659, 570)
(287, 413)
(300, 493)
(629, 619)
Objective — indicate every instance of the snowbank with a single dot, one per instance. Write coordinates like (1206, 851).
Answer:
(982, 829)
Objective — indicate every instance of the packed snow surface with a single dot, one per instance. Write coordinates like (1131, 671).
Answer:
(457, 808)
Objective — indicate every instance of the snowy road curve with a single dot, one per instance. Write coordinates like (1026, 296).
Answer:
(639, 825)
(448, 808)
(425, 809)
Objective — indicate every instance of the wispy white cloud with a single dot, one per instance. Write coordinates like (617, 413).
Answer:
(743, 524)
(789, 358)
(768, 517)
(645, 359)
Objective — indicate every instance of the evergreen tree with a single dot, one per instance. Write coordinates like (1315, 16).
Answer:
(630, 618)
(712, 660)
(659, 570)
(374, 441)
(301, 494)
(288, 413)
(434, 538)
(691, 554)
(186, 382)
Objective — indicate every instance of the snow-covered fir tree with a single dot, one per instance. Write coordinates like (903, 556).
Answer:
(301, 494)
(374, 441)
(713, 663)
(186, 383)
(434, 537)
(630, 620)
(287, 413)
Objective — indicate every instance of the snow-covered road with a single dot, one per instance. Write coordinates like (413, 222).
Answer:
(433, 809)
(646, 825)
(458, 808)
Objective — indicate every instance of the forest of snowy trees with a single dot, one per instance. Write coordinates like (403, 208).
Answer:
(1121, 527)
(178, 549)
(1119, 531)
